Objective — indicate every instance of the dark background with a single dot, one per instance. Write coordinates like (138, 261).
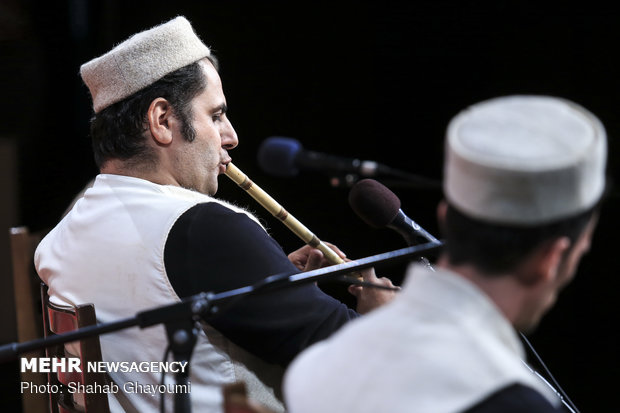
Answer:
(369, 80)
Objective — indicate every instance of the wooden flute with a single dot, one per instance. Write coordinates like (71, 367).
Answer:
(280, 213)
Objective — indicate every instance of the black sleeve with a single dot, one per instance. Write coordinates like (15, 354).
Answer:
(213, 249)
(515, 398)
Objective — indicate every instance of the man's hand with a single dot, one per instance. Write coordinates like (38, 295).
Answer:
(308, 258)
(369, 298)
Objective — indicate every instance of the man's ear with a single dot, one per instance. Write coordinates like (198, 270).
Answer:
(545, 262)
(159, 116)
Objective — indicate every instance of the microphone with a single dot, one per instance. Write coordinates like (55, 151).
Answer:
(379, 207)
(284, 157)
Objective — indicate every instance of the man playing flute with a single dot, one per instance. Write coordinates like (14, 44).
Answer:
(149, 231)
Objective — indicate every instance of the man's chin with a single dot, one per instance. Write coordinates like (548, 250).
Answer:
(211, 190)
(530, 324)
(528, 328)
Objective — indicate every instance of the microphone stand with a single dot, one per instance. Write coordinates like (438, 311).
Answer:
(181, 318)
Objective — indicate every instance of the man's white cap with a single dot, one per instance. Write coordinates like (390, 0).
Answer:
(141, 60)
(524, 160)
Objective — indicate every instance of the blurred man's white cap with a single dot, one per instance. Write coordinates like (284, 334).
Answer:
(524, 160)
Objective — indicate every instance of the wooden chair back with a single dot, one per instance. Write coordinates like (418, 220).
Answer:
(90, 398)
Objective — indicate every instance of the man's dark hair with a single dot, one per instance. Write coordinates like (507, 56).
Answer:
(496, 249)
(118, 130)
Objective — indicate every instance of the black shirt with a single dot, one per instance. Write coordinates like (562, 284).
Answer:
(212, 248)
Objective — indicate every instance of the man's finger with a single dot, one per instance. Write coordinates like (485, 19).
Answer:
(336, 250)
(315, 259)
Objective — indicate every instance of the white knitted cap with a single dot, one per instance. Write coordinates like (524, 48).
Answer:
(141, 60)
(524, 160)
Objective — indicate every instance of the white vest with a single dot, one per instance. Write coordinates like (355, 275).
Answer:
(440, 347)
(109, 251)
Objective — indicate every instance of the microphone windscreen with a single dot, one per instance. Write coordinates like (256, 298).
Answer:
(276, 156)
(374, 203)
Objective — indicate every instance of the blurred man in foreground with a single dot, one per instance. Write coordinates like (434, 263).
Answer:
(523, 179)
